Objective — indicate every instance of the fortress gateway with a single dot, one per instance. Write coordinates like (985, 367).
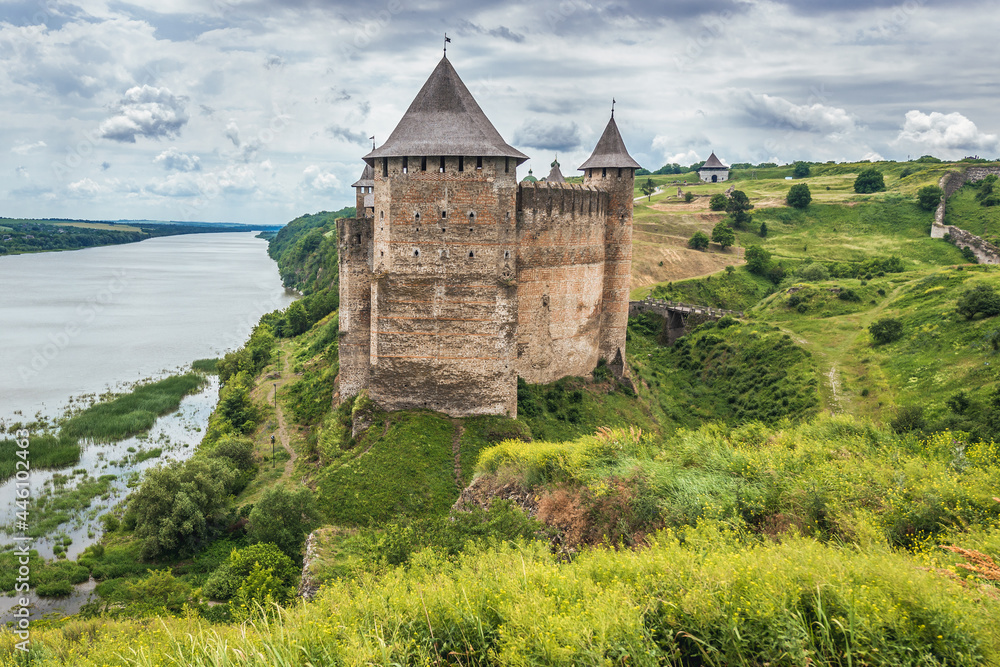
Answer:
(455, 279)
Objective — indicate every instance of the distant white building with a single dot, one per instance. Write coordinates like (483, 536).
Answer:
(713, 171)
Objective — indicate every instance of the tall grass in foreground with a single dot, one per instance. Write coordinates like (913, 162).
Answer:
(134, 412)
(709, 596)
(44, 451)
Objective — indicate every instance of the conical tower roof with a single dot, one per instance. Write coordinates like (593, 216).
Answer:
(444, 119)
(610, 151)
(367, 179)
(713, 163)
(555, 176)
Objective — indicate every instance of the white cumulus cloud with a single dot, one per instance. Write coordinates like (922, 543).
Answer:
(315, 178)
(145, 111)
(778, 111)
(945, 132)
(173, 160)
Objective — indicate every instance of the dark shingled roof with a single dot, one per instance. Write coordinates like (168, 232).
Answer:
(713, 163)
(444, 119)
(555, 176)
(367, 179)
(610, 151)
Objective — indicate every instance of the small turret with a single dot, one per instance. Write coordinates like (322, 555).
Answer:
(555, 175)
(611, 168)
(365, 189)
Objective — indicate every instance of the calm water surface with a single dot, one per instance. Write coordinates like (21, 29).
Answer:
(74, 323)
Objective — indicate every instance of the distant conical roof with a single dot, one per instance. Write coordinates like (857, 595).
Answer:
(555, 176)
(444, 119)
(610, 151)
(713, 163)
(367, 179)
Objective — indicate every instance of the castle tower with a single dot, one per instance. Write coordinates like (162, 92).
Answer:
(443, 295)
(364, 189)
(612, 169)
(555, 175)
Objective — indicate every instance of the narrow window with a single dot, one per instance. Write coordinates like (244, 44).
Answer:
(416, 217)
(619, 172)
(506, 165)
(444, 229)
(357, 240)
(472, 254)
(416, 253)
(381, 215)
(461, 163)
(506, 254)
(441, 168)
(385, 167)
(479, 163)
(423, 163)
(472, 216)
(381, 253)
(406, 165)
(604, 172)
(444, 214)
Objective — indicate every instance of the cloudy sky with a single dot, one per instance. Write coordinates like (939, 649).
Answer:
(248, 111)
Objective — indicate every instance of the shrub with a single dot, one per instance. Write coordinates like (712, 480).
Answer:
(226, 580)
(929, 196)
(689, 197)
(847, 294)
(814, 272)
(758, 260)
(699, 241)
(979, 300)
(798, 196)
(763, 230)
(969, 255)
(718, 202)
(885, 330)
(801, 170)
(868, 181)
(283, 518)
(908, 419)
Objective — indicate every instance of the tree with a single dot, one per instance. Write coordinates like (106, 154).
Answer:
(758, 260)
(648, 188)
(885, 330)
(723, 235)
(297, 318)
(718, 202)
(763, 230)
(868, 181)
(798, 196)
(737, 207)
(283, 518)
(801, 170)
(178, 506)
(987, 195)
(699, 241)
(979, 300)
(929, 197)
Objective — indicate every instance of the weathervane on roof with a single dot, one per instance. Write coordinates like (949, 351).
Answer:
(612, 107)
(446, 40)
(373, 141)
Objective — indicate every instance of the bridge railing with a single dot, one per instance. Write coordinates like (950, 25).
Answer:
(664, 305)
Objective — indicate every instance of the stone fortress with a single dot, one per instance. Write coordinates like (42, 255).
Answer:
(455, 279)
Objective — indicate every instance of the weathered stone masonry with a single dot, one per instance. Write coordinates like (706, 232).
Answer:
(950, 183)
(462, 279)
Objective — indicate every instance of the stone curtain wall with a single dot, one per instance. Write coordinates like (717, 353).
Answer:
(560, 279)
(354, 241)
(950, 183)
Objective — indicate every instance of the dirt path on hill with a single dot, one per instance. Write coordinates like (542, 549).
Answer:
(282, 433)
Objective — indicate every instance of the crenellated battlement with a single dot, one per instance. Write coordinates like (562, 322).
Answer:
(560, 198)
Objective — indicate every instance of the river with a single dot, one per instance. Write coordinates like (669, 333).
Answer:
(75, 324)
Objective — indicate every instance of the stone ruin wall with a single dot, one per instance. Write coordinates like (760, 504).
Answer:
(950, 183)
(560, 279)
(444, 304)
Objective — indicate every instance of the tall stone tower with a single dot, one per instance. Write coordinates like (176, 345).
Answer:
(612, 169)
(443, 296)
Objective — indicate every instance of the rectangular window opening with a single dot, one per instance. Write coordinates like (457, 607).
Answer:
(385, 167)
(423, 164)
(479, 163)
(441, 168)
(461, 163)
(406, 165)
(506, 165)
